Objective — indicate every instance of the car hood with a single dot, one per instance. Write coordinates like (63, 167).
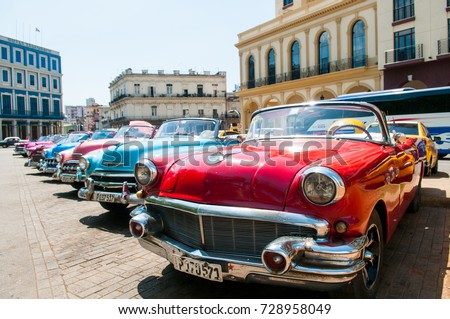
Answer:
(259, 174)
(51, 152)
(123, 156)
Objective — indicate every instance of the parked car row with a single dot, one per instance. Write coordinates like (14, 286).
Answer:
(308, 199)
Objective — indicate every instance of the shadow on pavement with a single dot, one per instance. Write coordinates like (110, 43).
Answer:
(69, 195)
(177, 285)
(109, 222)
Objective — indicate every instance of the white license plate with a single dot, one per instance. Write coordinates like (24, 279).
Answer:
(198, 268)
(67, 179)
(104, 197)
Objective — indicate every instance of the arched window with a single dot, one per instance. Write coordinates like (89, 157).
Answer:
(271, 67)
(251, 72)
(359, 44)
(295, 60)
(324, 54)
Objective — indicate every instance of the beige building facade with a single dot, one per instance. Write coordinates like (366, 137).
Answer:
(311, 50)
(161, 96)
(320, 49)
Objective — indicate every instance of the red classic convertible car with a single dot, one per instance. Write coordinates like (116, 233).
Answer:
(309, 199)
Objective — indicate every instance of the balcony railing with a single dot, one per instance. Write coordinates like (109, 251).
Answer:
(30, 114)
(404, 54)
(321, 69)
(444, 46)
(159, 118)
(191, 95)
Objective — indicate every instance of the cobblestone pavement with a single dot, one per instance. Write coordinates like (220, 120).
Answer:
(54, 245)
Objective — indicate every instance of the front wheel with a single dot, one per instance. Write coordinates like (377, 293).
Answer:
(367, 282)
(435, 168)
(114, 207)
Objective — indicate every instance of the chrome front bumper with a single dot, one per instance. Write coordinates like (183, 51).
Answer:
(125, 197)
(46, 169)
(313, 263)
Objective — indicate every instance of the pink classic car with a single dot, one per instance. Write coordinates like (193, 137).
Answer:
(68, 168)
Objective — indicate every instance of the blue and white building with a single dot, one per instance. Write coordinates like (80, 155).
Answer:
(30, 90)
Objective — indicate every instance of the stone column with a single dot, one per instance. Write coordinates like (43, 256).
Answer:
(40, 129)
(51, 128)
(14, 128)
(29, 129)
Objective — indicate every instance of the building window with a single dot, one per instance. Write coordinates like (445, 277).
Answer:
(151, 91)
(32, 80)
(295, 60)
(5, 76)
(359, 44)
(405, 47)
(20, 105)
(55, 84)
(4, 53)
(448, 3)
(19, 78)
(403, 9)
(44, 82)
(54, 64)
(6, 104)
(154, 110)
(56, 108)
(199, 90)
(33, 106)
(169, 89)
(31, 59)
(43, 62)
(215, 114)
(45, 107)
(287, 2)
(324, 54)
(201, 113)
(251, 72)
(137, 89)
(448, 34)
(18, 56)
(185, 112)
(271, 67)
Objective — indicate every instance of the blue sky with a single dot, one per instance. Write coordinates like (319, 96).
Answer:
(98, 40)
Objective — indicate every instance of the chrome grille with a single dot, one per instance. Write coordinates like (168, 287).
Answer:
(224, 234)
(70, 166)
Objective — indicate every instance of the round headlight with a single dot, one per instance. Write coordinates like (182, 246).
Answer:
(84, 164)
(145, 172)
(322, 186)
(58, 157)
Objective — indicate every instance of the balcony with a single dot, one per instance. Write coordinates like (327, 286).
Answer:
(170, 96)
(404, 54)
(444, 46)
(323, 68)
(31, 115)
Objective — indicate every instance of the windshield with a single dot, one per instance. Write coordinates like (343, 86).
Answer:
(333, 120)
(72, 138)
(102, 134)
(188, 127)
(57, 138)
(135, 131)
(405, 128)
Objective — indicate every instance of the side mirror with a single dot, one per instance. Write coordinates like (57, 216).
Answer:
(398, 137)
(436, 138)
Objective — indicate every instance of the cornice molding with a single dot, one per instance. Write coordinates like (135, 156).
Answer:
(297, 22)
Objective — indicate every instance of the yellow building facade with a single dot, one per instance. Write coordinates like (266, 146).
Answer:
(311, 50)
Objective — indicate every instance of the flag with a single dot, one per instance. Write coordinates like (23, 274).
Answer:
(37, 30)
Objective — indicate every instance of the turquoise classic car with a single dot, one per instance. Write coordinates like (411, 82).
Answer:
(109, 173)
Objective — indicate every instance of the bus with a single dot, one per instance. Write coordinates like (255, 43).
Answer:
(429, 106)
